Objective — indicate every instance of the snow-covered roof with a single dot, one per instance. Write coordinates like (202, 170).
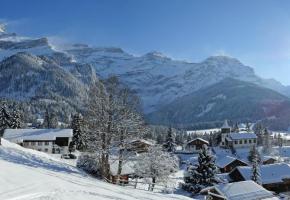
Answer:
(18, 135)
(273, 173)
(226, 124)
(238, 136)
(143, 141)
(221, 162)
(205, 141)
(244, 190)
(127, 168)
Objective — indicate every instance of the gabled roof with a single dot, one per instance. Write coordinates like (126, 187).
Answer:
(18, 135)
(222, 162)
(205, 141)
(238, 136)
(244, 190)
(273, 173)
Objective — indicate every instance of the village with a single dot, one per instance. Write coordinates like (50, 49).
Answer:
(238, 161)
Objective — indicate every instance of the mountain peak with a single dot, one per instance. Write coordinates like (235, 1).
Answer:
(2, 28)
(223, 59)
(155, 54)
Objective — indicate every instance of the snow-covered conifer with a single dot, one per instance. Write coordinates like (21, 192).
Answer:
(169, 144)
(256, 175)
(77, 124)
(202, 174)
(267, 146)
(254, 154)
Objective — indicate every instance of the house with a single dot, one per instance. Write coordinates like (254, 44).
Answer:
(244, 190)
(195, 145)
(228, 163)
(127, 171)
(46, 140)
(140, 145)
(274, 177)
(269, 160)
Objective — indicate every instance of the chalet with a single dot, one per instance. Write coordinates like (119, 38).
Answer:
(195, 145)
(269, 160)
(228, 163)
(274, 177)
(140, 145)
(46, 140)
(244, 190)
(127, 171)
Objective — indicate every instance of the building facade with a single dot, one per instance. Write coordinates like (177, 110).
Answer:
(195, 145)
(53, 141)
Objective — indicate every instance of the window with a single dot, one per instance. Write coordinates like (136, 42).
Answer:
(39, 149)
(250, 141)
(223, 143)
(254, 141)
(236, 142)
(241, 141)
(46, 150)
(46, 143)
(245, 142)
(39, 143)
(32, 143)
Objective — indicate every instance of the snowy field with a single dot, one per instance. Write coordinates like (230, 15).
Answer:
(31, 175)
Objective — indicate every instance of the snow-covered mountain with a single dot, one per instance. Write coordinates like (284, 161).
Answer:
(32, 175)
(158, 79)
(229, 99)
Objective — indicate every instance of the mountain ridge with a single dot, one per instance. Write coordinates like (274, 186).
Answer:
(156, 78)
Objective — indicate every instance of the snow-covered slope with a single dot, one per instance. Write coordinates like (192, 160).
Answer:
(31, 175)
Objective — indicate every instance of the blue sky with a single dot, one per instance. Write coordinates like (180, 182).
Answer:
(257, 32)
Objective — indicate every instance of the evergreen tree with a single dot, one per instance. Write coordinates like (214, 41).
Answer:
(5, 119)
(50, 120)
(15, 120)
(53, 120)
(77, 125)
(203, 174)
(46, 120)
(254, 154)
(259, 132)
(256, 175)
(159, 138)
(248, 128)
(236, 128)
(170, 145)
(267, 147)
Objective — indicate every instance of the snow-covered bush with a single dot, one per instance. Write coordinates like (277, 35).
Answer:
(89, 162)
(156, 165)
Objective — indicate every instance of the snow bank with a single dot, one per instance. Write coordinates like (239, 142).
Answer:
(31, 175)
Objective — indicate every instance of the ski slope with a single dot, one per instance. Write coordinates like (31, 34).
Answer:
(31, 175)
